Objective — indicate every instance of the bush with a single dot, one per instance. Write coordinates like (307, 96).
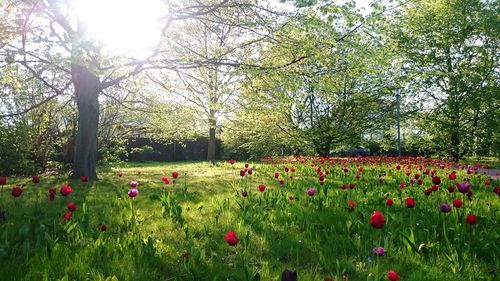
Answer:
(15, 147)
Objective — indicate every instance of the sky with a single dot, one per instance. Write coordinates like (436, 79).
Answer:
(133, 26)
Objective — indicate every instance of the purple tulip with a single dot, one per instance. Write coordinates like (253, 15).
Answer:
(445, 208)
(133, 192)
(134, 184)
(378, 251)
(463, 187)
(250, 171)
(311, 191)
(289, 275)
(346, 169)
(244, 194)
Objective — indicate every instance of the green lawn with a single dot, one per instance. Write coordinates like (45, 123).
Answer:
(176, 232)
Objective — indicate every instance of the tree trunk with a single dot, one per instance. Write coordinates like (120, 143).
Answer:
(86, 86)
(212, 122)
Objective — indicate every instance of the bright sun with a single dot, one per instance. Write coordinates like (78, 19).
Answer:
(127, 26)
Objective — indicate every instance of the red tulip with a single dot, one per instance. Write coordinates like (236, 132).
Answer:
(452, 176)
(165, 180)
(104, 227)
(175, 174)
(243, 172)
(471, 219)
(120, 174)
(35, 179)
(402, 185)
(3, 180)
(351, 205)
(409, 202)
(351, 185)
(66, 190)
(232, 161)
(246, 165)
(276, 175)
(17, 191)
(231, 238)
(496, 189)
(457, 203)
(392, 275)
(389, 202)
(262, 187)
(67, 216)
(343, 186)
(52, 194)
(436, 180)
(71, 207)
(84, 178)
(282, 181)
(292, 170)
(377, 219)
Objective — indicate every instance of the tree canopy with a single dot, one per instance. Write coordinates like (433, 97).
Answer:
(265, 77)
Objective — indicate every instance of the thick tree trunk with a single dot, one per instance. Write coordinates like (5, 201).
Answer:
(86, 86)
(211, 139)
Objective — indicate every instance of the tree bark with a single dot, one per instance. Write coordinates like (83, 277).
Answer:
(86, 86)
(212, 122)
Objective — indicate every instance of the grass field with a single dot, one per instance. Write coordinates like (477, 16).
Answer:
(177, 231)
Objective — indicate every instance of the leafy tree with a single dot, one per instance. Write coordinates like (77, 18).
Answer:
(334, 94)
(450, 50)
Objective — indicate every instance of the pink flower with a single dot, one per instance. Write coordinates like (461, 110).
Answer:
(311, 191)
(133, 192)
